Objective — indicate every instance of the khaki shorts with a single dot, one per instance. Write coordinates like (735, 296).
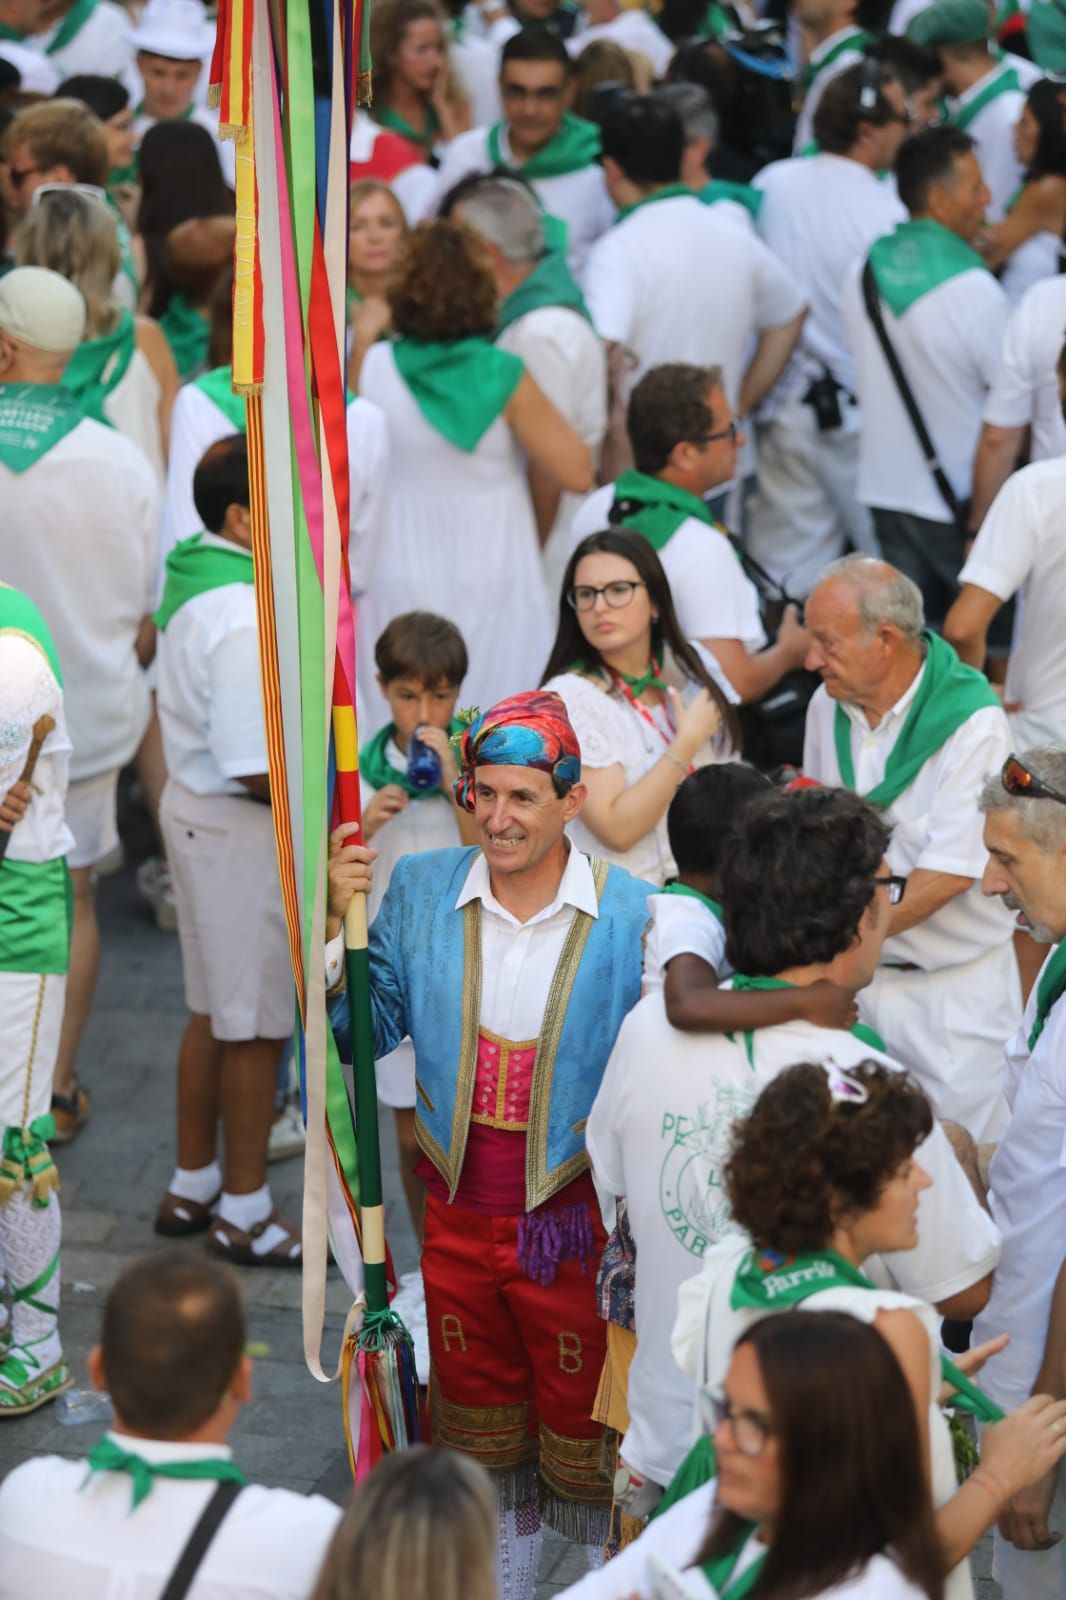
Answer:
(231, 922)
(92, 817)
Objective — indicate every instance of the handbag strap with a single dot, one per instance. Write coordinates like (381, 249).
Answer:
(872, 302)
(199, 1541)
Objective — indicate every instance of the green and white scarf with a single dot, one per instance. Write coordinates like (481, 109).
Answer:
(71, 25)
(460, 386)
(672, 886)
(1004, 80)
(188, 334)
(576, 144)
(661, 507)
(948, 695)
(217, 385)
(194, 568)
(378, 770)
(98, 366)
(860, 1030)
(34, 417)
(551, 283)
(916, 258)
(742, 194)
(422, 138)
(719, 1572)
(669, 191)
(855, 42)
(1049, 990)
(108, 1456)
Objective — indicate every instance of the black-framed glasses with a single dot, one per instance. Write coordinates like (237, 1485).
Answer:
(1018, 780)
(895, 885)
(729, 433)
(752, 1431)
(617, 594)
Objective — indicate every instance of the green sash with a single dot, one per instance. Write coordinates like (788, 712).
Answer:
(1003, 81)
(193, 568)
(98, 366)
(918, 257)
(188, 334)
(35, 916)
(662, 507)
(18, 614)
(674, 887)
(860, 1029)
(1049, 990)
(575, 145)
(719, 1572)
(948, 695)
(423, 139)
(217, 385)
(107, 1456)
(71, 26)
(854, 40)
(724, 189)
(669, 191)
(551, 283)
(460, 386)
(378, 770)
(34, 417)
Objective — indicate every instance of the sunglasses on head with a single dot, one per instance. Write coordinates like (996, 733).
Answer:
(1018, 780)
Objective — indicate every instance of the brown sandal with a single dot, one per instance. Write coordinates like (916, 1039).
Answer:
(177, 1217)
(70, 1113)
(234, 1244)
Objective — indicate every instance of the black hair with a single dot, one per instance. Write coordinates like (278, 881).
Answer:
(927, 160)
(536, 44)
(181, 177)
(1044, 104)
(644, 136)
(105, 96)
(221, 481)
(704, 810)
(851, 98)
(912, 65)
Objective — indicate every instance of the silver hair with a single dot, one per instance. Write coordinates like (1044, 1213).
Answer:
(1041, 820)
(693, 105)
(885, 595)
(507, 215)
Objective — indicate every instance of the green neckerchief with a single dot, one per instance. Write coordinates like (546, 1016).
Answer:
(378, 770)
(107, 1456)
(188, 334)
(715, 22)
(916, 258)
(859, 1029)
(12, 35)
(71, 25)
(460, 386)
(1002, 81)
(120, 176)
(719, 1572)
(98, 366)
(574, 145)
(724, 189)
(1051, 988)
(673, 887)
(551, 283)
(659, 508)
(217, 385)
(34, 417)
(18, 614)
(636, 683)
(423, 139)
(854, 40)
(1045, 28)
(669, 191)
(193, 568)
(948, 695)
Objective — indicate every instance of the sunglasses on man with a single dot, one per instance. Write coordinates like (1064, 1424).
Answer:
(1018, 780)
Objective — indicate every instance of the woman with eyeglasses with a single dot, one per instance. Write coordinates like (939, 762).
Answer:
(820, 1490)
(415, 91)
(649, 706)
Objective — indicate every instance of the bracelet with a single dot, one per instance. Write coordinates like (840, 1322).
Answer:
(685, 768)
(996, 1494)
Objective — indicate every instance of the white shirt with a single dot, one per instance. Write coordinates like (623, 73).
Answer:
(633, 30)
(415, 187)
(713, 596)
(991, 131)
(269, 1547)
(28, 690)
(579, 198)
(822, 79)
(819, 215)
(675, 280)
(426, 824)
(100, 47)
(1022, 545)
(208, 689)
(935, 822)
(681, 925)
(1028, 1197)
(1024, 390)
(661, 1138)
(948, 343)
(78, 535)
(477, 66)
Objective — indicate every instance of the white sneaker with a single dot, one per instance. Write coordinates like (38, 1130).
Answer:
(287, 1135)
(153, 881)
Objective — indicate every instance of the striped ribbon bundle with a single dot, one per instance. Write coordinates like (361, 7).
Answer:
(286, 76)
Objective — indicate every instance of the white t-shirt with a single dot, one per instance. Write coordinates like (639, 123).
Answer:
(948, 343)
(28, 690)
(1022, 545)
(819, 215)
(78, 535)
(991, 131)
(661, 1139)
(633, 30)
(209, 692)
(823, 77)
(476, 64)
(681, 925)
(100, 47)
(675, 280)
(426, 824)
(713, 596)
(1024, 390)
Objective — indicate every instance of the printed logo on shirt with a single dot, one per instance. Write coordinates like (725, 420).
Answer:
(691, 1195)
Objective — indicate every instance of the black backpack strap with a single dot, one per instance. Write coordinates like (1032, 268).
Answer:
(180, 1581)
(872, 301)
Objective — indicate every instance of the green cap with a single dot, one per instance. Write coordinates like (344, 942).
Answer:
(951, 22)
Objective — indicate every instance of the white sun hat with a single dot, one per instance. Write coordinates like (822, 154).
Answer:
(177, 29)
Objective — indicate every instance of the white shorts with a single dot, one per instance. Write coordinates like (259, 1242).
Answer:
(30, 1003)
(231, 922)
(92, 817)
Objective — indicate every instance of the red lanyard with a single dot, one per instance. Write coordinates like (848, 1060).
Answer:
(642, 711)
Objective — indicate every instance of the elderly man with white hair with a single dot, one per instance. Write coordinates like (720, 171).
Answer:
(903, 722)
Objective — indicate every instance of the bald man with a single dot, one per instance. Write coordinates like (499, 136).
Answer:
(903, 722)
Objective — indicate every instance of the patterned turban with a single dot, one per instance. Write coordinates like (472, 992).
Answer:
(526, 730)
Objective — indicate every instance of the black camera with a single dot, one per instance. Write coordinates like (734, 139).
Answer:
(824, 397)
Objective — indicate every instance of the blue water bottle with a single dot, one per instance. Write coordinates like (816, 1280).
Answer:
(423, 764)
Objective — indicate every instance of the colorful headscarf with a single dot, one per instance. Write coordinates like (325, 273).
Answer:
(525, 730)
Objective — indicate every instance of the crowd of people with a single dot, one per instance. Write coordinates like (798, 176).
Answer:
(707, 437)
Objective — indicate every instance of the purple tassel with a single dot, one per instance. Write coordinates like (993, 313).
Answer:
(545, 1238)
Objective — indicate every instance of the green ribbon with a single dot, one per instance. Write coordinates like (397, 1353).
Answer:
(1003, 81)
(188, 334)
(34, 417)
(193, 568)
(71, 26)
(1049, 990)
(18, 614)
(719, 1572)
(378, 770)
(659, 508)
(98, 366)
(916, 258)
(26, 1158)
(672, 886)
(460, 386)
(574, 145)
(551, 283)
(723, 189)
(35, 916)
(948, 695)
(669, 191)
(861, 1031)
(422, 138)
(217, 385)
(107, 1456)
(855, 41)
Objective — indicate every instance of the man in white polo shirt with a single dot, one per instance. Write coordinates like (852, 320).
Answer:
(832, 42)
(943, 314)
(674, 280)
(173, 41)
(903, 722)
